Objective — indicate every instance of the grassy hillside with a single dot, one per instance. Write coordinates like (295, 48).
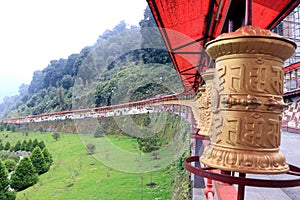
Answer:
(77, 175)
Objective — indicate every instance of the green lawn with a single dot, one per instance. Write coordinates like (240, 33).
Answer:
(77, 175)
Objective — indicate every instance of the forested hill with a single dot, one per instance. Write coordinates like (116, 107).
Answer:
(127, 63)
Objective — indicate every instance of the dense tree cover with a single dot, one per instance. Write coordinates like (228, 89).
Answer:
(124, 57)
(24, 175)
(152, 42)
(25, 171)
(9, 105)
(148, 141)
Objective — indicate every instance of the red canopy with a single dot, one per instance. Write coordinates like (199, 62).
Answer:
(187, 25)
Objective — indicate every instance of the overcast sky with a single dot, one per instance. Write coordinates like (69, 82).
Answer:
(33, 32)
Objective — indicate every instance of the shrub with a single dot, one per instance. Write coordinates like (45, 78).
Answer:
(149, 142)
(56, 136)
(13, 157)
(91, 148)
(99, 132)
(7, 127)
(10, 165)
(1, 127)
(13, 128)
(42, 129)
(3, 155)
(24, 175)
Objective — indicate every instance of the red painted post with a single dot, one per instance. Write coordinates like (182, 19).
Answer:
(209, 190)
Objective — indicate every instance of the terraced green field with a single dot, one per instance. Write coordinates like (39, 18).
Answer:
(77, 175)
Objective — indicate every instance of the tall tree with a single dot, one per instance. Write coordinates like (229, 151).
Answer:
(4, 184)
(42, 145)
(47, 157)
(28, 145)
(24, 175)
(38, 161)
(17, 147)
(23, 145)
(1, 146)
(35, 143)
(7, 146)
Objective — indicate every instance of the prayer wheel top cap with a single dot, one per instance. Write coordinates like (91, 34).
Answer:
(251, 40)
(208, 75)
(248, 31)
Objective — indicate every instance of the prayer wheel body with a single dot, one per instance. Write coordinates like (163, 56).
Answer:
(247, 101)
(204, 102)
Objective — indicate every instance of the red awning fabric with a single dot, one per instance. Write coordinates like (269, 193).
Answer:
(187, 25)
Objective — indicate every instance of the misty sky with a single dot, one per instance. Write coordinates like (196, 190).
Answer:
(33, 32)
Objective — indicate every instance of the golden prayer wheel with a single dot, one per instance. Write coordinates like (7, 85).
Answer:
(247, 101)
(204, 102)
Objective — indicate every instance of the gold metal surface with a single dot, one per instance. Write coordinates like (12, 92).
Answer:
(247, 102)
(204, 103)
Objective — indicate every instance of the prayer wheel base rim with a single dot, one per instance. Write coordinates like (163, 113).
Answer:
(216, 157)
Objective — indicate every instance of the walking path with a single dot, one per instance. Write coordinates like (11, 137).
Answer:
(290, 147)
